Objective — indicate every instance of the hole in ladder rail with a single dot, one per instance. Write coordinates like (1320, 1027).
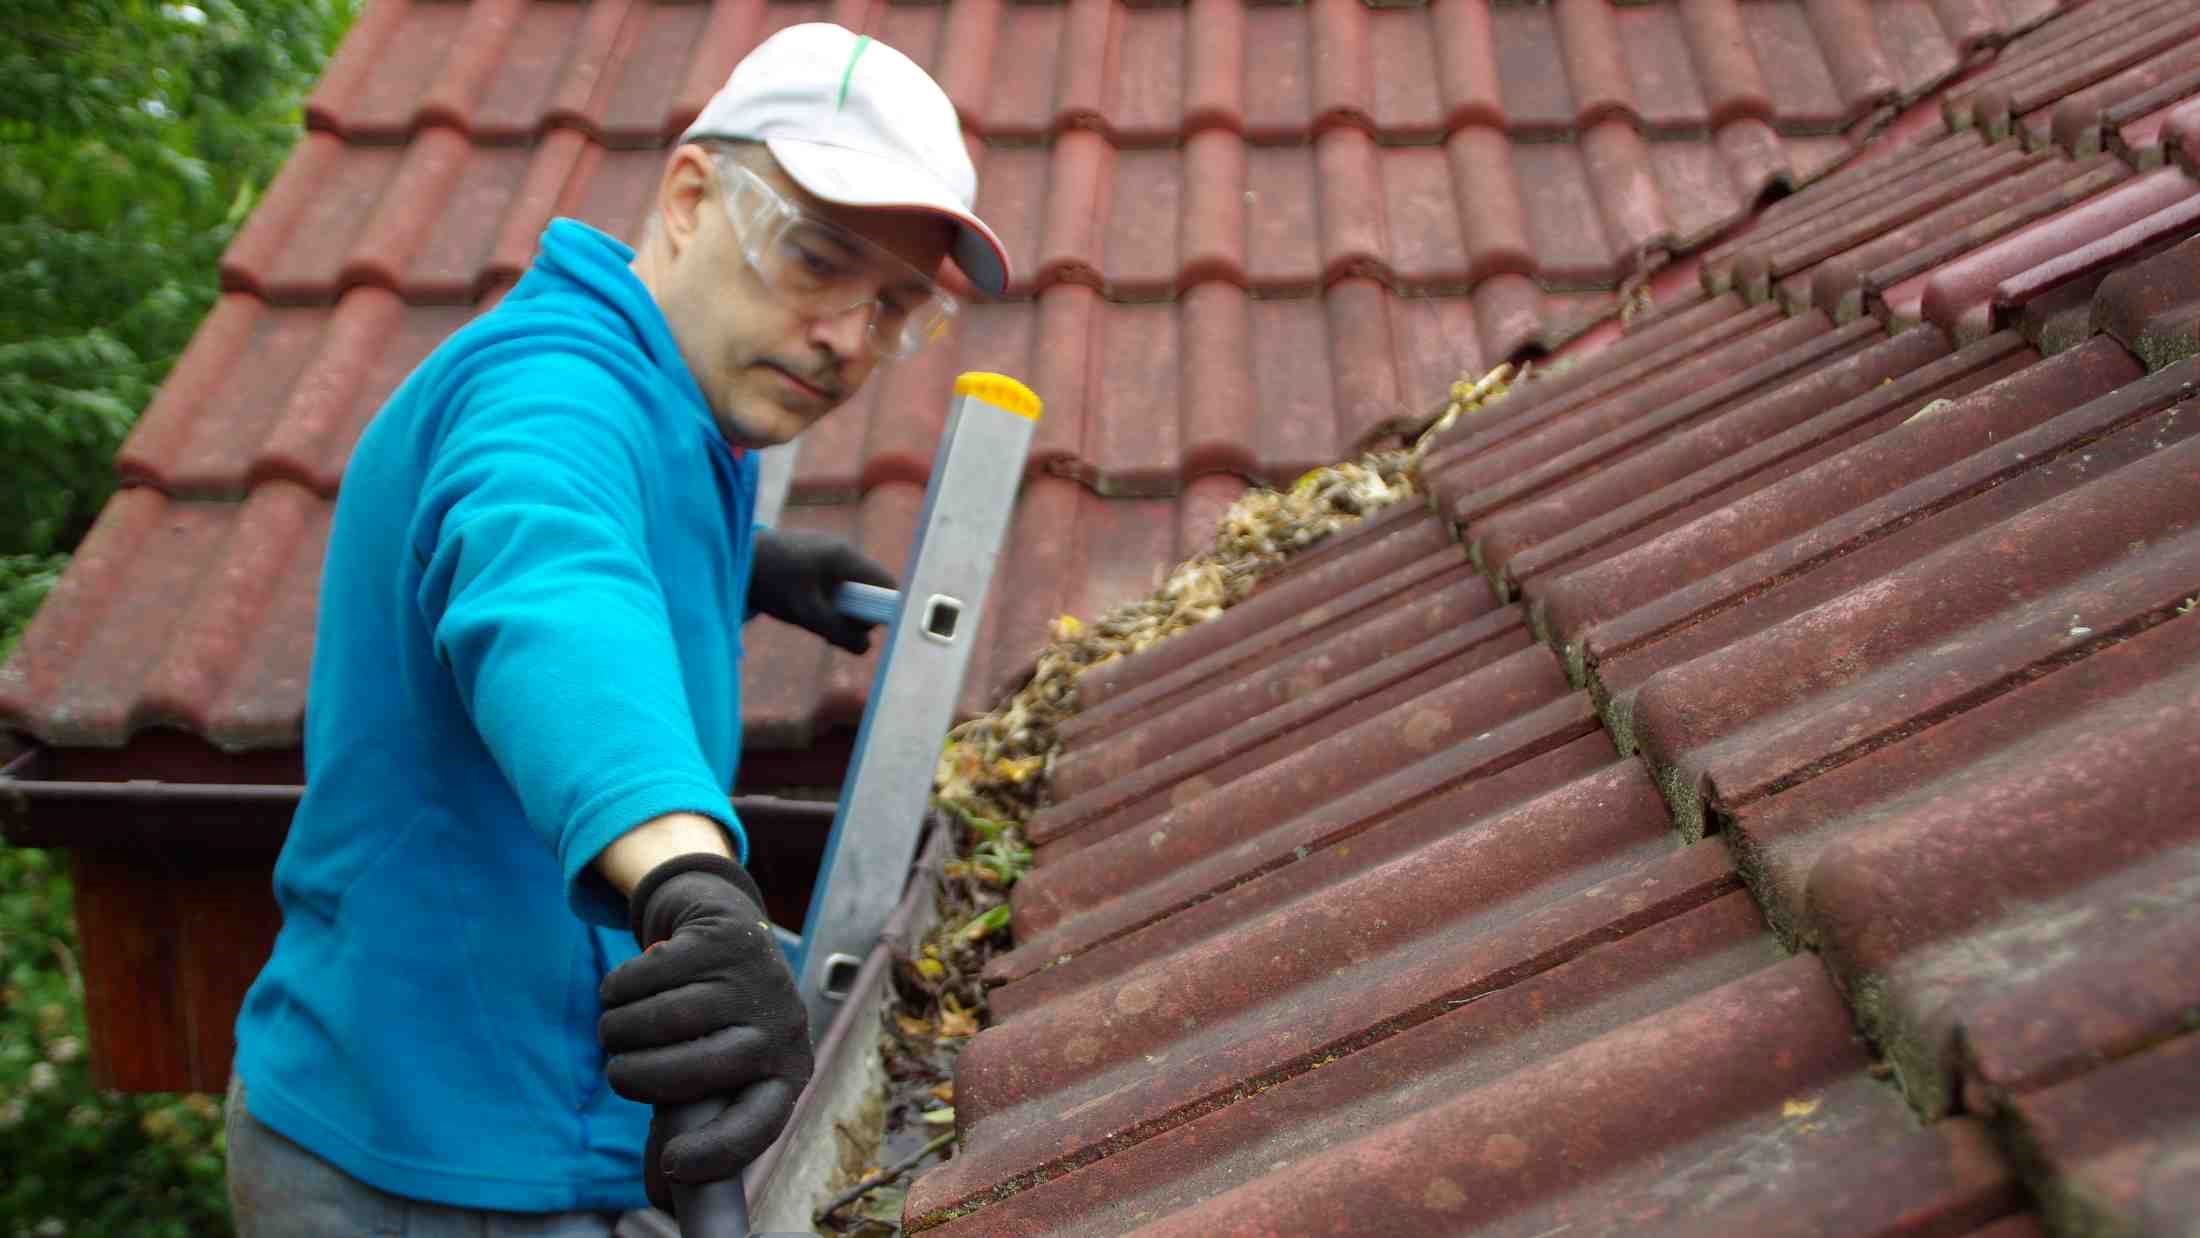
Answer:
(941, 614)
(840, 975)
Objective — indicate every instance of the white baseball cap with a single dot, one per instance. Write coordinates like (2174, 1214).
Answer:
(856, 123)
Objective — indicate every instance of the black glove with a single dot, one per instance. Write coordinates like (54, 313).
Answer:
(707, 1012)
(794, 578)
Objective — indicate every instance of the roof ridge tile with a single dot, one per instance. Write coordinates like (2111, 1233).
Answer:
(1465, 480)
(1996, 108)
(2079, 122)
(2099, 253)
(2059, 44)
(1627, 525)
(1672, 444)
(1757, 270)
(1522, 413)
(1858, 281)
(1959, 296)
(1624, 606)
(1856, 181)
(1568, 451)
(2153, 306)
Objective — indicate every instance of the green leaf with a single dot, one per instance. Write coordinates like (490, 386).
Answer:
(983, 924)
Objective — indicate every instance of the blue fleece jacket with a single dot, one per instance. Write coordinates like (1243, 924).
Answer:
(529, 643)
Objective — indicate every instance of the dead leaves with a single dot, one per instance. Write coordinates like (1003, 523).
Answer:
(994, 771)
(956, 1021)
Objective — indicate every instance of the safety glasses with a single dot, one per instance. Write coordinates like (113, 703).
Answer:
(822, 271)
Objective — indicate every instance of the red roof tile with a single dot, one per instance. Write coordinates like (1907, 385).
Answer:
(1817, 658)
(1888, 621)
(2114, 1148)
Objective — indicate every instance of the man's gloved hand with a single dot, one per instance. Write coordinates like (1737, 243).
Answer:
(707, 1012)
(795, 574)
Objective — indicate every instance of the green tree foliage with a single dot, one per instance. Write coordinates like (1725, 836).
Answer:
(134, 139)
(81, 1161)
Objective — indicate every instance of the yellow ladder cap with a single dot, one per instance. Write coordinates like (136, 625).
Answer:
(1001, 391)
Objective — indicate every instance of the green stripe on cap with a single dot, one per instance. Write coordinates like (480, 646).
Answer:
(863, 42)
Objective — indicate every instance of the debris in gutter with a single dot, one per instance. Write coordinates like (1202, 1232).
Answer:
(994, 772)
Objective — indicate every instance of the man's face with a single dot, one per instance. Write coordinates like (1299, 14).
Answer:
(768, 368)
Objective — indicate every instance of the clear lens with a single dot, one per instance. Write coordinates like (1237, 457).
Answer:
(823, 271)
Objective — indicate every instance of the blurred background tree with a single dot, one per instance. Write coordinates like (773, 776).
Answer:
(134, 139)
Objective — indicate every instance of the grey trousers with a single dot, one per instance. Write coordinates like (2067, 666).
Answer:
(279, 1190)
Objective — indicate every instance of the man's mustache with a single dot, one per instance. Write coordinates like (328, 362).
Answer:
(827, 379)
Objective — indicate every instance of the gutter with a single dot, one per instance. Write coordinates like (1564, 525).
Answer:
(39, 811)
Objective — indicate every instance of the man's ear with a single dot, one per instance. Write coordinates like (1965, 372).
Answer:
(682, 195)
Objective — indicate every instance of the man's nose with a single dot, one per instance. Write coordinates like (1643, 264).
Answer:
(847, 333)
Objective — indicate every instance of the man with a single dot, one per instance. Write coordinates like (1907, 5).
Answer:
(525, 710)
